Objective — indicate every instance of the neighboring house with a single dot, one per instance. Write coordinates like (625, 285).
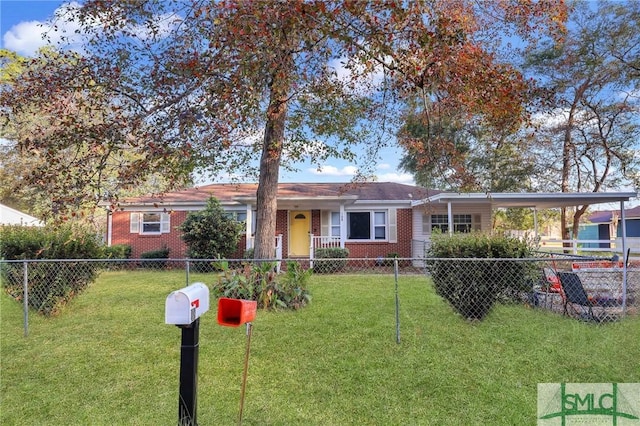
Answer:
(607, 225)
(371, 220)
(9, 216)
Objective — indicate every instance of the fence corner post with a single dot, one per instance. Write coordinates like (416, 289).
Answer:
(25, 296)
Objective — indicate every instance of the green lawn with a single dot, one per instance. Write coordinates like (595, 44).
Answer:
(110, 359)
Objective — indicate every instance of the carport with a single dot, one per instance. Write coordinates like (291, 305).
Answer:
(535, 201)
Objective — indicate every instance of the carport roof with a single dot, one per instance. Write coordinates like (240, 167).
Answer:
(539, 200)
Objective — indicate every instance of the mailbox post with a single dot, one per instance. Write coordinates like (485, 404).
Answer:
(233, 313)
(183, 308)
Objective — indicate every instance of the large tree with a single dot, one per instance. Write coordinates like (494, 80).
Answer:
(217, 84)
(452, 150)
(589, 134)
(55, 150)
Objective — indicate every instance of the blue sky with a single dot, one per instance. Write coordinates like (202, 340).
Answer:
(23, 21)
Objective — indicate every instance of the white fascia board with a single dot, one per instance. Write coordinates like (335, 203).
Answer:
(540, 200)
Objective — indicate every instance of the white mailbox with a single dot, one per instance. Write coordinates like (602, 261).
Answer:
(184, 306)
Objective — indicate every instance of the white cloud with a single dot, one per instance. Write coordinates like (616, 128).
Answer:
(334, 171)
(397, 178)
(27, 37)
(351, 171)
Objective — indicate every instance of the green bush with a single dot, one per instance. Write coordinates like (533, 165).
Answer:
(118, 251)
(328, 260)
(249, 253)
(472, 287)
(50, 285)
(260, 282)
(114, 254)
(62, 242)
(211, 233)
(161, 253)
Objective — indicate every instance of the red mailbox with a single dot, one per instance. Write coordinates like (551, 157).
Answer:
(235, 312)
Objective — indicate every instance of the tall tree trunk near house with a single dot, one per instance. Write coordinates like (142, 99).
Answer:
(567, 147)
(267, 192)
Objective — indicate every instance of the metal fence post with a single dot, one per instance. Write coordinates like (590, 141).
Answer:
(25, 297)
(395, 273)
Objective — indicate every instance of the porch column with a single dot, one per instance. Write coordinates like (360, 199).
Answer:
(624, 231)
(248, 225)
(623, 220)
(450, 218)
(343, 226)
(109, 226)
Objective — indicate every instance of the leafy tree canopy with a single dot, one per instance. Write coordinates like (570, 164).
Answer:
(228, 85)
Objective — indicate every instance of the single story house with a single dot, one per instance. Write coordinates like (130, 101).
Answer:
(370, 219)
(10, 216)
(606, 225)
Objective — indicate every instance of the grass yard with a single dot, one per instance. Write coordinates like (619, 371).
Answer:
(109, 359)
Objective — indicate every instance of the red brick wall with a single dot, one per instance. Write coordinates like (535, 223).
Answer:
(381, 249)
(142, 243)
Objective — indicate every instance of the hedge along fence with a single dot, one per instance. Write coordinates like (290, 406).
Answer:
(472, 288)
(330, 260)
(49, 286)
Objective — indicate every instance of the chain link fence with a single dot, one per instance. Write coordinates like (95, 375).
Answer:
(589, 289)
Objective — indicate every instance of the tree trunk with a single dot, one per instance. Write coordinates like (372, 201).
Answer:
(267, 192)
(567, 150)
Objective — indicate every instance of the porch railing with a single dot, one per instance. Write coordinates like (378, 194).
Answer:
(324, 242)
(278, 243)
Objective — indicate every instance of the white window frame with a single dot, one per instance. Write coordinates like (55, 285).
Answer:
(137, 223)
(462, 223)
(233, 214)
(334, 224)
(373, 225)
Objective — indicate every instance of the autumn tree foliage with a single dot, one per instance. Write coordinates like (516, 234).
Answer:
(589, 133)
(253, 86)
(68, 144)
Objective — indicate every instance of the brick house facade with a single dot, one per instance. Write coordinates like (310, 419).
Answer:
(371, 219)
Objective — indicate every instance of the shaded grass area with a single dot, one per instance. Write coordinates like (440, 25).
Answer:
(110, 359)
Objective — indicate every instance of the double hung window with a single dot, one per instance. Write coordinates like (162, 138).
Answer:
(461, 223)
(150, 223)
(370, 225)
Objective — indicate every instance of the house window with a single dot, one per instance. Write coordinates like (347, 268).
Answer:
(335, 224)
(238, 216)
(367, 225)
(149, 223)
(461, 223)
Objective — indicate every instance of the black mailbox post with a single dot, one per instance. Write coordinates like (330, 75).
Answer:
(183, 308)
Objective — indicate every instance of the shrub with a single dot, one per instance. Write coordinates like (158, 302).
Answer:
(162, 253)
(328, 260)
(472, 287)
(62, 242)
(260, 282)
(249, 253)
(114, 253)
(50, 285)
(211, 233)
(118, 251)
